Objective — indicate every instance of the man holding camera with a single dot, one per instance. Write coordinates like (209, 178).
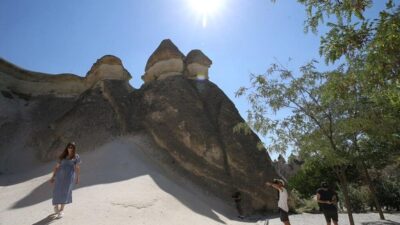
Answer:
(279, 184)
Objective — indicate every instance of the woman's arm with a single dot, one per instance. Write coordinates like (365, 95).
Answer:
(77, 171)
(54, 173)
(274, 186)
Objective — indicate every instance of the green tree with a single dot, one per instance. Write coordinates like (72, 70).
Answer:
(317, 124)
(308, 179)
(331, 119)
(370, 49)
(346, 115)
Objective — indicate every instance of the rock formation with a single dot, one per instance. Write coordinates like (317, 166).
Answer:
(107, 67)
(30, 83)
(165, 61)
(287, 169)
(192, 120)
(197, 65)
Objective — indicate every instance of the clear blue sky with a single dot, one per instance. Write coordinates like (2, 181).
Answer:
(241, 37)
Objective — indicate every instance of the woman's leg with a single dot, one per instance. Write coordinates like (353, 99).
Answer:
(62, 207)
(56, 209)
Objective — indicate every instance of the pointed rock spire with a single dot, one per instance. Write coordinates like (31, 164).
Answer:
(165, 61)
(197, 56)
(166, 50)
(108, 67)
(197, 65)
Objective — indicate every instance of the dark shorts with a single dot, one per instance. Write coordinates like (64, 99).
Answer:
(331, 215)
(283, 215)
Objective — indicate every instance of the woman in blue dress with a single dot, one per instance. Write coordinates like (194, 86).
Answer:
(65, 174)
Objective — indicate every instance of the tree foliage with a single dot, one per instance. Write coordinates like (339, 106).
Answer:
(343, 117)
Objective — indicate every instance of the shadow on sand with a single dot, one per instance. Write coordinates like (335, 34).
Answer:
(123, 160)
(47, 220)
(385, 222)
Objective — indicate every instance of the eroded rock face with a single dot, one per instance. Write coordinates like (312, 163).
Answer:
(194, 122)
(165, 61)
(30, 83)
(191, 120)
(107, 67)
(197, 65)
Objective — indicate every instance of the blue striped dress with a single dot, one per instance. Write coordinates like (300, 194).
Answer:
(64, 181)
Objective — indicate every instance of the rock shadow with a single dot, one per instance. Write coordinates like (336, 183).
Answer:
(123, 160)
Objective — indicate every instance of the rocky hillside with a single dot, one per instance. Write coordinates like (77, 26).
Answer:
(187, 115)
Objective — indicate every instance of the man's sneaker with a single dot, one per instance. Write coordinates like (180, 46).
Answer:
(55, 210)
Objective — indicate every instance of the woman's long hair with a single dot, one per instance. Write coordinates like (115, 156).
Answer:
(64, 154)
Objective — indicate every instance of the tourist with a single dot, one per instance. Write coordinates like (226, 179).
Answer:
(327, 201)
(283, 207)
(65, 174)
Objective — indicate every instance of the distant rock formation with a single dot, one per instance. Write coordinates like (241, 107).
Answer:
(167, 60)
(192, 120)
(30, 83)
(287, 169)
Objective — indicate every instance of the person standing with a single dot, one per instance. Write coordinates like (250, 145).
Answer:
(327, 201)
(283, 207)
(237, 198)
(65, 174)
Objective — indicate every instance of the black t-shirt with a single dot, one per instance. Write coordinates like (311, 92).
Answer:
(326, 195)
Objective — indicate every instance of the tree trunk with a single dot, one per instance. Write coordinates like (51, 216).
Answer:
(344, 185)
(372, 190)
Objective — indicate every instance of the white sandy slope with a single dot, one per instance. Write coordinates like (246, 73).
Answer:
(123, 182)
(120, 184)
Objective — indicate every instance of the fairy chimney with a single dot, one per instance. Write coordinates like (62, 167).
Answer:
(108, 67)
(165, 61)
(197, 65)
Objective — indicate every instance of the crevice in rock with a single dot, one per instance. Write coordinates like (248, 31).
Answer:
(106, 93)
(216, 125)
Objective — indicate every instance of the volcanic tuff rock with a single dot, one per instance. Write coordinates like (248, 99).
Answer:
(31, 83)
(197, 65)
(107, 67)
(192, 120)
(165, 61)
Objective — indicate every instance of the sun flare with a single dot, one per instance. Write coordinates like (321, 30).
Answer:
(206, 8)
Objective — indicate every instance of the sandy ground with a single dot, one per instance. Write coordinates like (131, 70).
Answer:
(359, 219)
(122, 184)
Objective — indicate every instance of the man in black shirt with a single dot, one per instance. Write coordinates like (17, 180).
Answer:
(327, 201)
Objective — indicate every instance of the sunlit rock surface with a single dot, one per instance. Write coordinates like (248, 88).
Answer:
(191, 120)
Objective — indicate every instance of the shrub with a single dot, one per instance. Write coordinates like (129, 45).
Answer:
(359, 198)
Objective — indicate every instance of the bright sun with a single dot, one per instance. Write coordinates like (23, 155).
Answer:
(206, 8)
